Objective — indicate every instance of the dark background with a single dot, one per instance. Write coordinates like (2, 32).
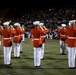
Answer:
(15, 8)
(36, 3)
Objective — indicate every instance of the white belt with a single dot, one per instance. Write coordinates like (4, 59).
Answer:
(36, 39)
(7, 38)
(42, 36)
(62, 35)
(16, 36)
(71, 37)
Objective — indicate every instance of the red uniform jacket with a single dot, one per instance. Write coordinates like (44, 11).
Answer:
(75, 38)
(71, 33)
(6, 33)
(17, 35)
(22, 32)
(62, 34)
(36, 32)
(43, 35)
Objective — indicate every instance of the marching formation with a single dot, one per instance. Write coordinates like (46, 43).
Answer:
(11, 34)
(15, 34)
(68, 40)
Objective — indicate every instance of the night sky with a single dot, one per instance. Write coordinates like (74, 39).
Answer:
(36, 3)
(19, 6)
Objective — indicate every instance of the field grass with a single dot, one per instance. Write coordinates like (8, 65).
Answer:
(52, 64)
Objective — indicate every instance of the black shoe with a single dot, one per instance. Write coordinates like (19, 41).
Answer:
(37, 66)
(62, 53)
(21, 52)
(17, 57)
(71, 67)
(42, 58)
(8, 64)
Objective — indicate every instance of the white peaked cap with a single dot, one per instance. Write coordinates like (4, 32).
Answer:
(6, 23)
(16, 24)
(36, 22)
(72, 22)
(41, 24)
(63, 25)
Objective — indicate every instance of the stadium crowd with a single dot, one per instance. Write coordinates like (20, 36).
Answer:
(52, 18)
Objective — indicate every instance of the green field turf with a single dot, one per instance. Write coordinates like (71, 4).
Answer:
(52, 64)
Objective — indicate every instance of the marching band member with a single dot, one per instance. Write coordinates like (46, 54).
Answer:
(62, 38)
(45, 30)
(17, 40)
(7, 43)
(22, 33)
(71, 33)
(36, 33)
